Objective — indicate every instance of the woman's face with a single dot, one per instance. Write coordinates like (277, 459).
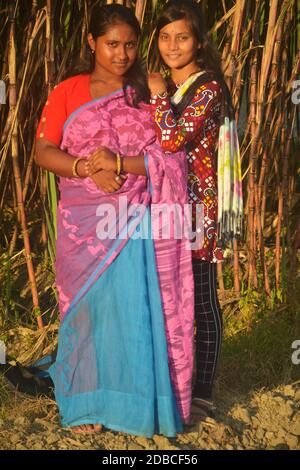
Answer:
(177, 45)
(116, 50)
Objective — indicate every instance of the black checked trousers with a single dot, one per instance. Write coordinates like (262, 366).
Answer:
(209, 327)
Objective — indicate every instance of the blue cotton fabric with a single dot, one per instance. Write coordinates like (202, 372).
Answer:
(112, 361)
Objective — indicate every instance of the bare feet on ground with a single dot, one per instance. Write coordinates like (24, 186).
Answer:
(86, 428)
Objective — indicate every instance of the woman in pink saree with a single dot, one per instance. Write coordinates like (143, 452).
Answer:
(124, 356)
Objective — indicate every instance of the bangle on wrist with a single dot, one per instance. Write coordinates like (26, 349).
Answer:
(119, 165)
(74, 168)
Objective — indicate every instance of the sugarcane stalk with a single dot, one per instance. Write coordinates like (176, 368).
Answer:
(16, 168)
(222, 293)
(84, 30)
(140, 8)
(236, 38)
(49, 78)
(252, 274)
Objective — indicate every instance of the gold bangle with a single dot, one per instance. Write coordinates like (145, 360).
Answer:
(74, 168)
(118, 164)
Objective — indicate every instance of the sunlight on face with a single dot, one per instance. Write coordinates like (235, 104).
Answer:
(116, 50)
(177, 44)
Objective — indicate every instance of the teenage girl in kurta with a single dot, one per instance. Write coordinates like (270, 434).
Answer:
(189, 108)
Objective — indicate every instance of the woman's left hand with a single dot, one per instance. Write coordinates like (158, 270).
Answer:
(101, 159)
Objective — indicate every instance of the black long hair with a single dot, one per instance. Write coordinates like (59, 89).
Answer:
(102, 18)
(208, 57)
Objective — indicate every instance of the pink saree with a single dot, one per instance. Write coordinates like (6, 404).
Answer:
(85, 212)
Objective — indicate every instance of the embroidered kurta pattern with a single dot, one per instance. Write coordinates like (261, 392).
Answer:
(196, 130)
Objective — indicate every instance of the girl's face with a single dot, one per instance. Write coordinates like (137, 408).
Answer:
(116, 50)
(177, 45)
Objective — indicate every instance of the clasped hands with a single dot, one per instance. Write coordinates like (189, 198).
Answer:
(101, 166)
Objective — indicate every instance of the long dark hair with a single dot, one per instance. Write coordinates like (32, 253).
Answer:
(208, 57)
(102, 18)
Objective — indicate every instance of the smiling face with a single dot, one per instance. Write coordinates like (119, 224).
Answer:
(115, 51)
(177, 45)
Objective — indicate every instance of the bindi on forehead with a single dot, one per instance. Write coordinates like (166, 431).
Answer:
(177, 27)
(176, 32)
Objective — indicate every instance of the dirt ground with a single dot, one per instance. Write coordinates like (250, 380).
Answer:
(267, 419)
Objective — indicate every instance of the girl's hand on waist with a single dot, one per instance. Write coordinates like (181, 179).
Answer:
(108, 181)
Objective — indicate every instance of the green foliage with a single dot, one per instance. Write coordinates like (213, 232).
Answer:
(8, 305)
(260, 355)
(257, 342)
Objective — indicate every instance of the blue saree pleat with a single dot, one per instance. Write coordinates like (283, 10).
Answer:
(112, 361)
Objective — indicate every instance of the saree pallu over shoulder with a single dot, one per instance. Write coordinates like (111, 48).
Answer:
(94, 229)
(173, 258)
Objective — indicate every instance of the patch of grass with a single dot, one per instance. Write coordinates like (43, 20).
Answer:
(257, 346)
(5, 397)
(14, 404)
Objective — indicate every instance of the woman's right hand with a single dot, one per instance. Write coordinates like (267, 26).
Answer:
(156, 84)
(108, 181)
